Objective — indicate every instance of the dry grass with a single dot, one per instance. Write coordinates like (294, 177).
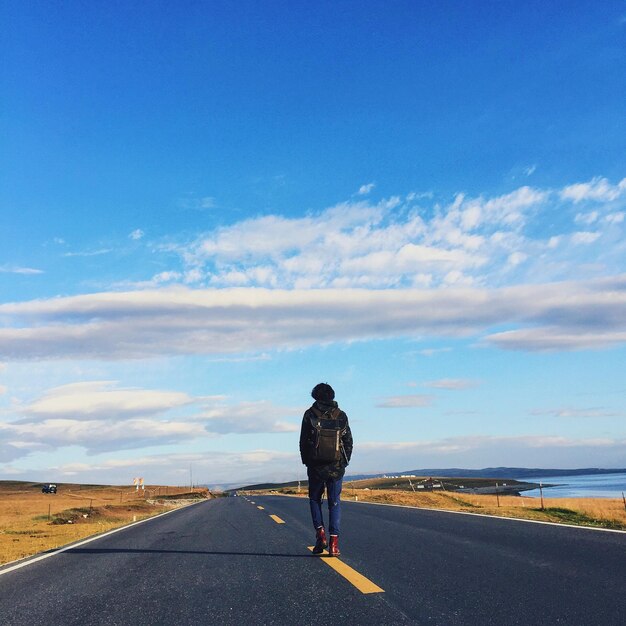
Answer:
(602, 512)
(598, 512)
(32, 522)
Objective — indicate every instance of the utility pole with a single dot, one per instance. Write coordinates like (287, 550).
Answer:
(190, 478)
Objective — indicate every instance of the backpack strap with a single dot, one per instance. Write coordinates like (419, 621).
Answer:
(333, 415)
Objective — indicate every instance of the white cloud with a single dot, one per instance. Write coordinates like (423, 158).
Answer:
(243, 359)
(411, 240)
(414, 195)
(598, 189)
(193, 276)
(9, 452)
(508, 207)
(118, 325)
(88, 253)
(166, 277)
(14, 269)
(214, 467)
(478, 451)
(586, 218)
(389, 269)
(136, 234)
(271, 237)
(591, 412)
(407, 401)
(584, 237)
(454, 277)
(100, 417)
(101, 435)
(248, 417)
(102, 399)
(452, 383)
(221, 467)
(433, 351)
(477, 441)
(365, 189)
(530, 170)
(3, 389)
(515, 258)
(550, 339)
(192, 203)
(359, 244)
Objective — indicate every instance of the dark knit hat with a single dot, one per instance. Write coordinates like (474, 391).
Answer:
(323, 392)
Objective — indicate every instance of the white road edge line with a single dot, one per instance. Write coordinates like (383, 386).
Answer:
(504, 519)
(71, 546)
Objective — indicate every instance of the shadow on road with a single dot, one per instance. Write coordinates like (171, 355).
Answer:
(212, 553)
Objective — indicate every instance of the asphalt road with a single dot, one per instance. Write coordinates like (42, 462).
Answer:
(226, 561)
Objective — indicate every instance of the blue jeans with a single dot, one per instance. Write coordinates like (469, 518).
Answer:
(333, 489)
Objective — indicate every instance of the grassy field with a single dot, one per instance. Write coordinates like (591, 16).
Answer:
(596, 512)
(32, 522)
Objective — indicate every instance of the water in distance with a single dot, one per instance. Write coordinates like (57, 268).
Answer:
(584, 486)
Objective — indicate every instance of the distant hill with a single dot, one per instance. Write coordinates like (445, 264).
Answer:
(512, 472)
(457, 472)
(293, 483)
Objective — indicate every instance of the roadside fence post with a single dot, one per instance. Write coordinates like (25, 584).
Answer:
(624, 499)
(90, 507)
(497, 495)
(541, 492)
(48, 512)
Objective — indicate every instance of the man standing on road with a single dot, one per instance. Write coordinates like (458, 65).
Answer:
(325, 449)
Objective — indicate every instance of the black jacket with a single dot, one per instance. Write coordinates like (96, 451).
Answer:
(307, 438)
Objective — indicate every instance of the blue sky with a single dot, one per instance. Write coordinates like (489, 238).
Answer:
(208, 207)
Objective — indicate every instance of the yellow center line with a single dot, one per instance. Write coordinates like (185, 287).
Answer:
(261, 508)
(277, 519)
(364, 585)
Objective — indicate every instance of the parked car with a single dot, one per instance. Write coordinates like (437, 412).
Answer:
(50, 488)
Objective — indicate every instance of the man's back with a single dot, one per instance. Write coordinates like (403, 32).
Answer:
(325, 466)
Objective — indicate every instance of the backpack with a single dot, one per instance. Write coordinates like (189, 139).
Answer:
(327, 433)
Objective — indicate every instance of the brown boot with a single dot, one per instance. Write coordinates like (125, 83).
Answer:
(333, 549)
(320, 541)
